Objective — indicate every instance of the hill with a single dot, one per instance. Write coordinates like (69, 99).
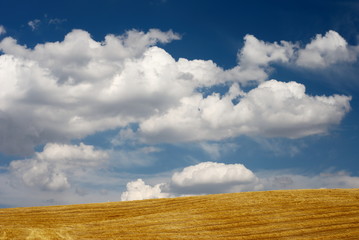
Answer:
(294, 214)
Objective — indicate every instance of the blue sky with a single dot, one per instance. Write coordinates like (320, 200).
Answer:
(124, 100)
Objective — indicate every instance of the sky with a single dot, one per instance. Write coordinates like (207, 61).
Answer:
(128, 100)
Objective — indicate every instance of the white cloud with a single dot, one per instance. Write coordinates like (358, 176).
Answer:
(212, 177)
(256, 56)
(321, 52)
(212, 173)
(326, 50)
(138, 190)
(2, 30)
(70, 89)
(51, 168)
(259, 53)
(273, 109)
(34, 24)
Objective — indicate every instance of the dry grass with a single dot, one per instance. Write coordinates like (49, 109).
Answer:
(298, 214)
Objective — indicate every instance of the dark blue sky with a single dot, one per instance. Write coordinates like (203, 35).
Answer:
(208, 30)
(204, 24)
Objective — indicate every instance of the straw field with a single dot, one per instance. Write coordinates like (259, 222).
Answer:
(294, 214)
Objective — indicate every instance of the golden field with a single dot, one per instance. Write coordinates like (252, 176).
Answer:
(294, 214)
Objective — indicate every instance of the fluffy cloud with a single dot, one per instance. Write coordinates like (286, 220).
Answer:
(138, 190)
(256, 56)
(2, 30)
(321, 52)
(326, 50)
(71, 89)
(51, 168)
(213, 178)
(64, 90)
(273, 109)
(259, 53)
(212, 173)
(59, 91)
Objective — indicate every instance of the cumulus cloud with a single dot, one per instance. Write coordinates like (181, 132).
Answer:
(255, 57)
(71, 89)
(51, 168)
(273, 109)
(2, 30)
(326, 50)
(212, 173)
(259, 53)
(34, 24)
(323, 51)
(138, 190)
(58, 91)
(213, 178)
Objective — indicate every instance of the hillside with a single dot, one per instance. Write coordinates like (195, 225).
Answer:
(295, 214)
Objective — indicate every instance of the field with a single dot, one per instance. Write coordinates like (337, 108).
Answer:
(295, 214)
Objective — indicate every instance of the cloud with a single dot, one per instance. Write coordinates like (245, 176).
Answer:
(138, 190)
(74, 88)
(2, 30)
(273, 109)
(254, 60)
(34, 24)
(59, 91)
(214, 178)
(212, 173)
(259, 53)
(322, 52)
(255, 57)
(326, 50)
(51, 168)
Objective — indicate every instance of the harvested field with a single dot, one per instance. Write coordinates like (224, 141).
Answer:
(294, 214)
